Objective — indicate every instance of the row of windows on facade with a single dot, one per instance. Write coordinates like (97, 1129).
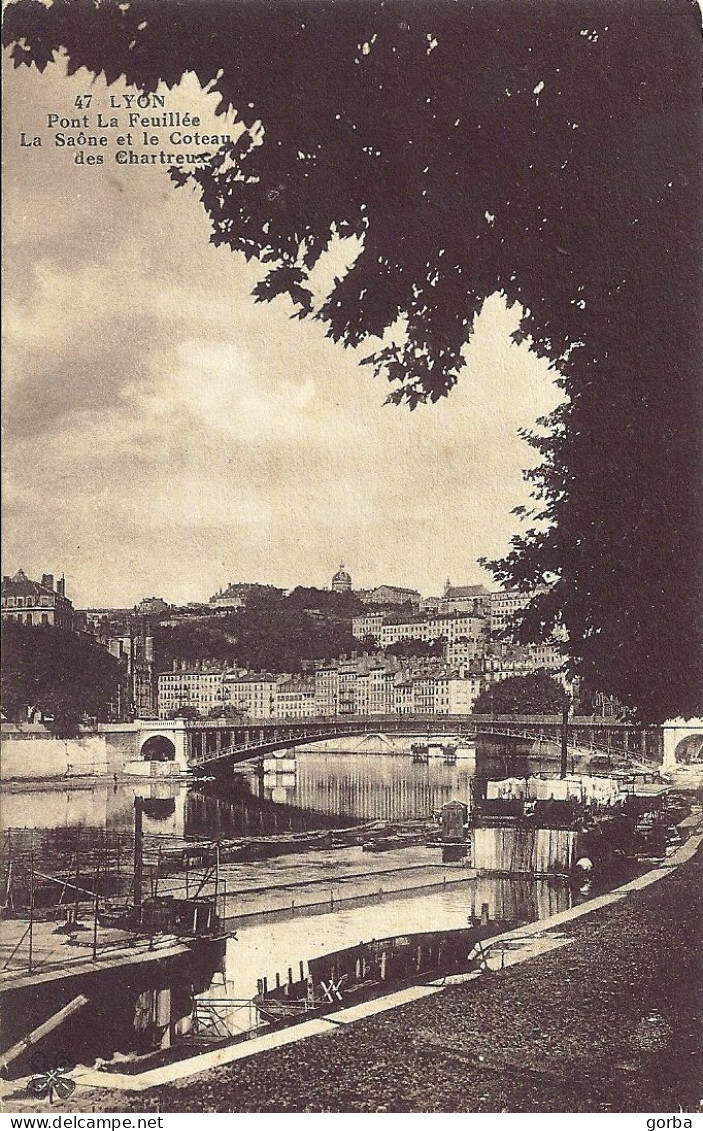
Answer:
(29, 618)
(45, 602)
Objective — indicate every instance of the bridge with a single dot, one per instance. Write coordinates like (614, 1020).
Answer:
(211, 742)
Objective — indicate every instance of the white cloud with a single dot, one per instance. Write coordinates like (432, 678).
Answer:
(165, 433)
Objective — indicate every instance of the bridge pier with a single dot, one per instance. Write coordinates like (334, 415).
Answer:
(683, 742)
(169, 736)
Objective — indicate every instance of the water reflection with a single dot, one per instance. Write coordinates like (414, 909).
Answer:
(307, 790)
(351, 896)
(370, 787)
(264, 949)
(239, 809)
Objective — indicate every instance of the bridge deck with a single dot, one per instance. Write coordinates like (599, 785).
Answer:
(255, 738)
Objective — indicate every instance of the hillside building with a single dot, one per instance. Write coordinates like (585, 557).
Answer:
(36, 602)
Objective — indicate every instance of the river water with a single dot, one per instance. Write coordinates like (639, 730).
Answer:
(408, 890)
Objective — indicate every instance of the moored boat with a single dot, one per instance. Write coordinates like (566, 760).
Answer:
(370, 969)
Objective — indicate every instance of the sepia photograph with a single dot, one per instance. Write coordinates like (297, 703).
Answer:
(352, 559)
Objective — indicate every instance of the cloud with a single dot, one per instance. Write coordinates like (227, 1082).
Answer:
(164, 433)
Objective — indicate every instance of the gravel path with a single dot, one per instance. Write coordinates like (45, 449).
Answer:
(608, 1023)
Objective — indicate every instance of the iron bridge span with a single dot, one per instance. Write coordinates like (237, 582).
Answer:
(218, 741)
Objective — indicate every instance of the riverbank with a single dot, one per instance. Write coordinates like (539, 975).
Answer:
(608, 1022)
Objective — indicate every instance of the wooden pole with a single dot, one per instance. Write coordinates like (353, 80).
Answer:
(47, 1026)
(96, 882)
(76, 911)
(8, 887)
(138, 856)
(31, 914)
(217, 873)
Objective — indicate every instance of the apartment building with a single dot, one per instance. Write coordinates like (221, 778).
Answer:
(254, 694)
(327, 690)
(449, 628)
(200, 688)
(368, 624)
(295, 698)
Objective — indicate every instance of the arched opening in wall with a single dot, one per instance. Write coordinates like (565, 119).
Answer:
(158, 748)
(159, 808)
(689, 749)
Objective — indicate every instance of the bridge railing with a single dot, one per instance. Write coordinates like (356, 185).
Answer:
(276, 736)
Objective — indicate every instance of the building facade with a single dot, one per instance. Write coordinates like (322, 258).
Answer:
(367, 625)
(327, 690)
(449, 628)
(151, 607)
(392, 595)
(199, 688)
(36, 602)
(254, 695)
(295, 698)
(465, 599)
(504, 604)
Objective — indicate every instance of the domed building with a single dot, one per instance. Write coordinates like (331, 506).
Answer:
(341, 582)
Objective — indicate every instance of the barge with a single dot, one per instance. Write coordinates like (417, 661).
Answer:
(371, 969)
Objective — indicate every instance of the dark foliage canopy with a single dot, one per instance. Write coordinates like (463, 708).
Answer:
(325, 601)
(416, 648)
(63, 674)
(547, 151)
(268, 635)
(535, 694)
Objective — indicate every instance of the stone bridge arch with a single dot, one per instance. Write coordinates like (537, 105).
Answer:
(683, 742)
(689, 749)
(158, 748)
(163, 740)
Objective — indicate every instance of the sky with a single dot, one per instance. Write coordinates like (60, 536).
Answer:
(164, 434)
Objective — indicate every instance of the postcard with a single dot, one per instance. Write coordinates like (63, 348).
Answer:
(351, 595)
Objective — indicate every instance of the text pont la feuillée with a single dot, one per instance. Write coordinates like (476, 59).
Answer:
(131, 138)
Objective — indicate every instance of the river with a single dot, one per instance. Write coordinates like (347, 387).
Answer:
(289, 909)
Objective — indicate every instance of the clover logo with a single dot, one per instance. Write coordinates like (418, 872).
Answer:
(51, 1075)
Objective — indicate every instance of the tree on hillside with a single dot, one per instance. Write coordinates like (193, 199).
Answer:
(269, 634)
(344, 605)
(211, 641)
(65, 675)
(416, 648)
(280, 641)
(537, 693)
(548, 152)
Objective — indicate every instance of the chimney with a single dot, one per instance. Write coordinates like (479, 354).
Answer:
(47, 580)
(61, 586)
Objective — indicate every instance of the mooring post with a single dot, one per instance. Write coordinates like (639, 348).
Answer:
(31, 913)
(78, 870)
(138, 856)
(96, 883)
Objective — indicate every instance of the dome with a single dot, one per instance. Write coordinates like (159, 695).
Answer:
(341, 580)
